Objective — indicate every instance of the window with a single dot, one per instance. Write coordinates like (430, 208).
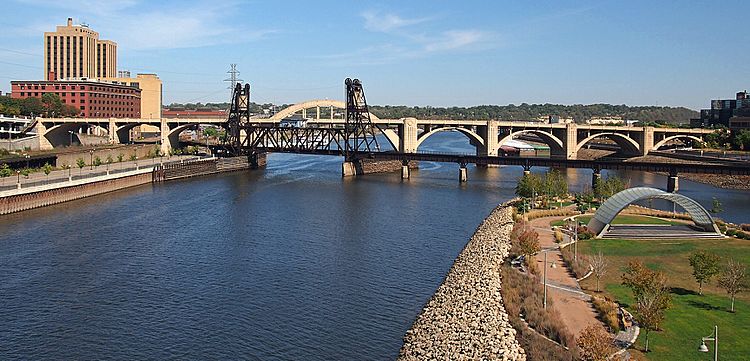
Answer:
(83, 101)
(83, 94)
(62, 94)
(83, 107)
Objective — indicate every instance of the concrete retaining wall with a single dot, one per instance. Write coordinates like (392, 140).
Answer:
(201, 167)
(466, 318)
(44, 196)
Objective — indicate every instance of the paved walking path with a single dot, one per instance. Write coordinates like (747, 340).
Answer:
(572, 303)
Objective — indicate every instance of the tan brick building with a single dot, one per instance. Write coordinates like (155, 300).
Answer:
(75, 51)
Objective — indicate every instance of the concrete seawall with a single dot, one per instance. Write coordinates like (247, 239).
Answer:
(17, 200)
(466, 317)
(41, 196)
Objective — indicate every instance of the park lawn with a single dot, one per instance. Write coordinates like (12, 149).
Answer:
(625, 219)
(691, 316)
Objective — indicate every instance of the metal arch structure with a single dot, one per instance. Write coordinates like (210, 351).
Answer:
(603, 217)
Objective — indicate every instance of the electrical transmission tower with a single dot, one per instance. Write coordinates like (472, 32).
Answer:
(233, 77)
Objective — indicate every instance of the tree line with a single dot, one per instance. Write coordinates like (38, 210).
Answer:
(49, 105)
(653, 115)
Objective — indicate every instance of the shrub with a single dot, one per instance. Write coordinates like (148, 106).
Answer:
(745, 227)
(607, 310)
(579, 268)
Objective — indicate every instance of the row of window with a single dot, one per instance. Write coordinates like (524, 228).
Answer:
(91, 95)
(80, 87)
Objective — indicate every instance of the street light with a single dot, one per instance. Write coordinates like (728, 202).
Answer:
(18, 181)
(715, 338)
(91, 164)
(70, 177)
(71, 137)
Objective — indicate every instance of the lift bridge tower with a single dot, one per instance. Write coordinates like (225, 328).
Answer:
(355, 141)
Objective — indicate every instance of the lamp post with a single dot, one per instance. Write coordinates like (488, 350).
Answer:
(71, 137)
(27, 160)
(18, 180)
(70, 177)
(91, 163)
(715, 338)
(545, 279)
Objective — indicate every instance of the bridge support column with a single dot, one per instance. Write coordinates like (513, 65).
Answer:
(41, 130)
(462, 173)
(405, 171)
(490, 148)
(113, 137)
(349, 168)
(407, 132)
(647, 140)
(166, 144)
(673, 182)
(596, 177)
(571, 141)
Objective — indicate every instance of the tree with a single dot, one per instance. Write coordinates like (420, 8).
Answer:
(605, 188)
(97, 161)
(119, 157)
(133, 157)
(652, 298)
(5, 171)
(210, 132)
(733, 279)
(599, 266)
(705, 266)
(742, 139)
(594, 344)
(529, 185)
(80, 163)
(109, 159)
(47, 168)
(524, 239)
(715, 206)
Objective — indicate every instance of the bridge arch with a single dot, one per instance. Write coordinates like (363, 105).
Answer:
(555, 144)
(607, 212)
(626, 143)
(323, 103)
(58, 135)
(683, 136)
(474, 138)
(173, 137)
(123, 131)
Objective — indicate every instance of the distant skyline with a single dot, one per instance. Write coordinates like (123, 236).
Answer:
(436, 53)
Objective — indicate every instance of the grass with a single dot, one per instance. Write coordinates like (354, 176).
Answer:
(691, 316)
(626, 219)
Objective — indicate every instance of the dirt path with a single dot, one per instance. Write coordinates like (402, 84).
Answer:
(574, 306)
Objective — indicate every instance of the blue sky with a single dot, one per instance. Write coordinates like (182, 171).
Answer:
(440, 53)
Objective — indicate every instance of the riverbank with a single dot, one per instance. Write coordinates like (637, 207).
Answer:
(466, 316)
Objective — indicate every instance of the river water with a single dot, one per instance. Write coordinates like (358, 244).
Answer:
(290, 262)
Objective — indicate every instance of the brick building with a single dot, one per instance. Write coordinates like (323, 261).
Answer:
(95, 99)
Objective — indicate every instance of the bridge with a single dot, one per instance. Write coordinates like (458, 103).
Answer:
(404, 135)
(353, 136)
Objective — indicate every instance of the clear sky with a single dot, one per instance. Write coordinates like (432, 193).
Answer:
(440, 53)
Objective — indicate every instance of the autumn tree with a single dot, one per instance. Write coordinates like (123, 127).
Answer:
(599, 266)
(594, 344)
(705, 266)
(733, 279)
(524, 239)
(651, 294)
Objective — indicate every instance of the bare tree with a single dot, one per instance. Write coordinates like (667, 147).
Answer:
(599, 267)
(594, 344)
(733, 279)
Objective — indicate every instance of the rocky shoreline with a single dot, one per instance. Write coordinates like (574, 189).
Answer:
(466, 317)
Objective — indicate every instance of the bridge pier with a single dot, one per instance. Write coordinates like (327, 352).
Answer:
(405, 171)
(462, 173)
(673, 182)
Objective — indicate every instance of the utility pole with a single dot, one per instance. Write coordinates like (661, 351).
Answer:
(233, 77)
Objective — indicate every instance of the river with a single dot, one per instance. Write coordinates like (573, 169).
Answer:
(290, 262)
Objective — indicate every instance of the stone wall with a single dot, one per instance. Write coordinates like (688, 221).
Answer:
(21, 202)
(466, 318)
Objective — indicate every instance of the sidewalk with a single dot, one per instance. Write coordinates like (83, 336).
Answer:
(571, 302)
(57, 176)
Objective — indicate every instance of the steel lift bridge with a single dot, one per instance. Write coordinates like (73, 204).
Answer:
(355, 140)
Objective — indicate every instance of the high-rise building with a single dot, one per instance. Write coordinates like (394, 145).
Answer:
(75, 52)
(725, 112)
